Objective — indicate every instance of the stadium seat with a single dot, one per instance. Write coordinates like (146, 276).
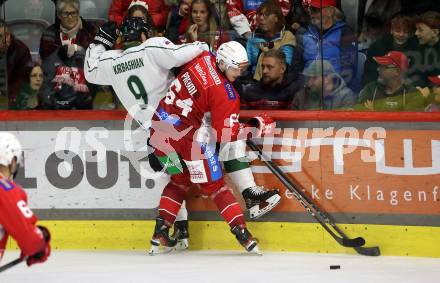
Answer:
(29, 31)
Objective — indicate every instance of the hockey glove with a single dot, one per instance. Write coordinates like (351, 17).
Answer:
(265, 125)
(107, 35)
(203, 45)
(41, 256)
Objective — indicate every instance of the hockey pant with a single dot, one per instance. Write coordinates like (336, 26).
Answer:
(206, 173)
(236, 164)
(232, 154)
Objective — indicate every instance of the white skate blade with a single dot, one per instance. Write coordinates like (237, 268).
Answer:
(255, 212)
(157, 250)
(182, 245)
(255, 251)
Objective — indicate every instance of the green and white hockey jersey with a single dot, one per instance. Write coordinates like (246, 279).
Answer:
(139, 75)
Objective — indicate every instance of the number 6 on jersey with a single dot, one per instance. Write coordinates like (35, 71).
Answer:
(185, 105)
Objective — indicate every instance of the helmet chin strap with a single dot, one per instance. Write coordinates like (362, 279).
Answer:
(14, 174)
(222, 67)
(227, 66)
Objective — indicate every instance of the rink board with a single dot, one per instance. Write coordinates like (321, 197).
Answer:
(273, 236)
(86, 175)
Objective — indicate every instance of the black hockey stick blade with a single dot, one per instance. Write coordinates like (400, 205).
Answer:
(12, 264)
(344, 240)
(353, 243)
(368, 251)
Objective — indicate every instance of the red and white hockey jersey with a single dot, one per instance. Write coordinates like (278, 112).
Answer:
(200, 93)
(17, 220)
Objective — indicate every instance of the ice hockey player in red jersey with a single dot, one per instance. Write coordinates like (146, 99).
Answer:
(201, 94)
(152, 80)
(16, 219)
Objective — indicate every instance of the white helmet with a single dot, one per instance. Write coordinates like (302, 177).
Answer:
(233, 54)
(9, 148)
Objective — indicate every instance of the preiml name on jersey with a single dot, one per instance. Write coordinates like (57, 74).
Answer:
(127, 66)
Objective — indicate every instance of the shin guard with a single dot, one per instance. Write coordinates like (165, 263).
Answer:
(229, 209)
(170, 202)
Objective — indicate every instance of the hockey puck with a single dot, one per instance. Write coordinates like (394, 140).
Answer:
(335, 267)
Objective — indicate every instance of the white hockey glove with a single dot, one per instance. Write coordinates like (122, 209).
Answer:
(203, 45)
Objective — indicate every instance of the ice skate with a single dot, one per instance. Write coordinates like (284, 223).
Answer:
(260, 201)
(181, 234)
(245, 238)
(161, 241)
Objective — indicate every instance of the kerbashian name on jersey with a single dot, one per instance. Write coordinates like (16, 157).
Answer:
(127, 66)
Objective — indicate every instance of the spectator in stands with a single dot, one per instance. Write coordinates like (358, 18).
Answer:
(204, 26)
(401, 38)
(70, 30)
(432, 95)
(277, 87)
(338, 41)
(427, 60)
(390, 92)
(15, 56)
(156, 9)
(298, 18)
(27, 98)
(325, 89)
(139, 9)
(270, 34)
(374, 19)
(220, 7)
(178, 20)
(64, 84)
(243, 14)
(62, 49)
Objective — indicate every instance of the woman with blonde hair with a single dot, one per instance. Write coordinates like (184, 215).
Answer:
(204, 25)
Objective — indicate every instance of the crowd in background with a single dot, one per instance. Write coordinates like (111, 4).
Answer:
(303, 55)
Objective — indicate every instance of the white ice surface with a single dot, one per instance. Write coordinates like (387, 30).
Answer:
(220, 266)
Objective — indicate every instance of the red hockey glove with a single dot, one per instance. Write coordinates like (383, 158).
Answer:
(41, 256)
(265, 125)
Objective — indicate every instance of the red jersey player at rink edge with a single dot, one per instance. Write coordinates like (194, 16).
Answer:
(140, 75)
(16, 219)
(201, 92)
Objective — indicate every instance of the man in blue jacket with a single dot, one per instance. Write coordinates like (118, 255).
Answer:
(338, 41)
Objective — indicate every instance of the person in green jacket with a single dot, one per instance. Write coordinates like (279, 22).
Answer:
(27, 97)
(390, 92)
(432, 94)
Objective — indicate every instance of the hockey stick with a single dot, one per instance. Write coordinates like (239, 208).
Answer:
(369, 251)
(322, 217)
(12, 263)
